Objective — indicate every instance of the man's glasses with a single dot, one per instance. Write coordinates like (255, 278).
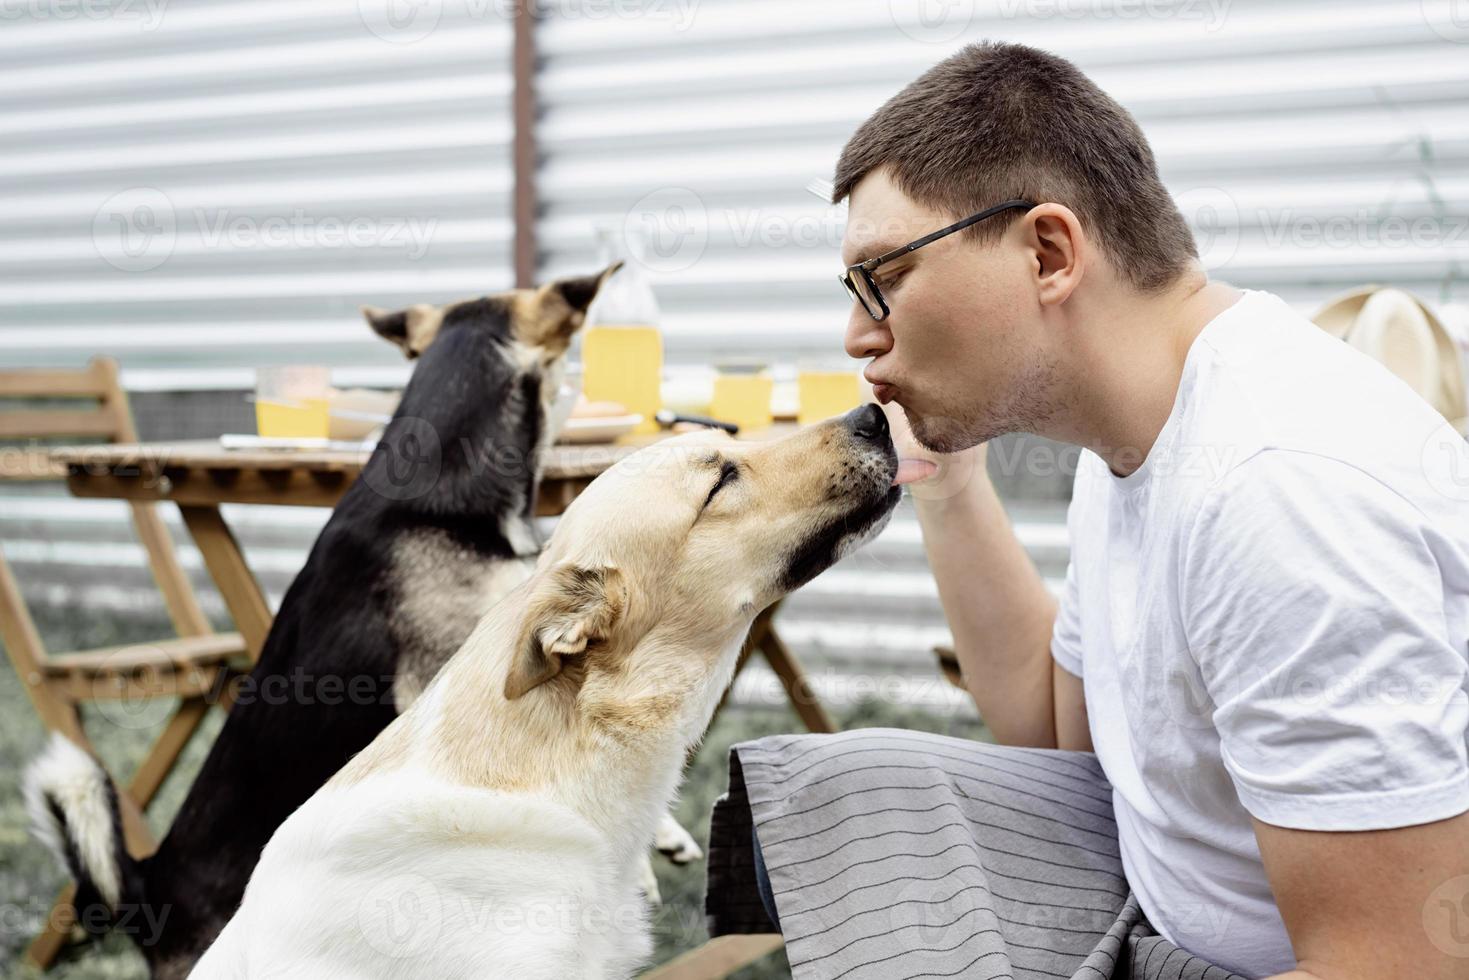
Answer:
(858, 278)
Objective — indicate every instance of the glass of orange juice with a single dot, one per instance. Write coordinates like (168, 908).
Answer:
(742, 396)
(623, 362)
(826, 389)
(621, 346)
(293, 402)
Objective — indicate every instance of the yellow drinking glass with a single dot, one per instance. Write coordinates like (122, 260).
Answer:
(743, 399)
(624, 364)
(293, 402)
(309, 418)
(826, 393)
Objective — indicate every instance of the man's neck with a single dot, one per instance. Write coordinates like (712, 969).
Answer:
(1129, 357)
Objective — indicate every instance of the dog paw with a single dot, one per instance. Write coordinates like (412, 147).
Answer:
(648, 884)
(675, 843)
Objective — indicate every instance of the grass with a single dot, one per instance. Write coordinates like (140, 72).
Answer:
(29, 879)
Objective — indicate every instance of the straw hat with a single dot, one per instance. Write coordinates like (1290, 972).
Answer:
(1399, 331)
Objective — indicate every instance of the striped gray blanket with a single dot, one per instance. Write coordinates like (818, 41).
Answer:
(898, 855)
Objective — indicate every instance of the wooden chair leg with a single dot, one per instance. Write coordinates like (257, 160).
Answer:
(793, 679)
(719, 957)
(56, 931)
(183, 606)
(164, 754)
(226, 563)
(758, 629)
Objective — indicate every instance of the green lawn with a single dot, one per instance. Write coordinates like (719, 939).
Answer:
(29, 878)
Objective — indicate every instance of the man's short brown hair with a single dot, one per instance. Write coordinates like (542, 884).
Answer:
(1000, 121)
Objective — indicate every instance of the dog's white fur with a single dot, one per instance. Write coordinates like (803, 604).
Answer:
(496, 829)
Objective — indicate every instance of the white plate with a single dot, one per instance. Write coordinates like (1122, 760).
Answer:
(598, 429)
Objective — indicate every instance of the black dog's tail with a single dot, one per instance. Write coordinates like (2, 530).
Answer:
(72, 805)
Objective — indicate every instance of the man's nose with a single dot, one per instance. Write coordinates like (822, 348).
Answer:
(866, 337)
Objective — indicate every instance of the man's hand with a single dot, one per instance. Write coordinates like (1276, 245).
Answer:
(1373, 905)
(945, 473)
(998, 609)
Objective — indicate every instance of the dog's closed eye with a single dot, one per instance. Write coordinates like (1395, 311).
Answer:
(728, 473)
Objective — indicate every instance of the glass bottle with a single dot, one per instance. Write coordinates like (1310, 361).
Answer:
(622, 350)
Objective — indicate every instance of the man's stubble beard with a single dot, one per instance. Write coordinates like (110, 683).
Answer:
(1036, 397)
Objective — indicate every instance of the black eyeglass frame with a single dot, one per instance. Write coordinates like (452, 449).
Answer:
(864, 269)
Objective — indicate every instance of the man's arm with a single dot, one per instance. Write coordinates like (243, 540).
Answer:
(1372, 904)
(998, 607)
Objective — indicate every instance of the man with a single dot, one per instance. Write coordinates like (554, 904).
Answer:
(1264, 630)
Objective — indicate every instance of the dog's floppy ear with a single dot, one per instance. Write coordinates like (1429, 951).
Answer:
(575, 607)
(411, 330)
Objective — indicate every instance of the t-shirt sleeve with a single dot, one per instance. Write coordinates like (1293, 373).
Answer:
(1313, 604)
(1066, 636)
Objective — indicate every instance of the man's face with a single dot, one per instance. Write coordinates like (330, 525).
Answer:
(962, 349)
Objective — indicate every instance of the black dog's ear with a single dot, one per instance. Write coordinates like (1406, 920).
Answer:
(391, 325)
(411, 330)
(574, 607)
(551, 315)
(579, 291)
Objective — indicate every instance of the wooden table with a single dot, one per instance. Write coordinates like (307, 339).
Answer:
(200, 476)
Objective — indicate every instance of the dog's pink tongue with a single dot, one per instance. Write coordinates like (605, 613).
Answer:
(912, 470)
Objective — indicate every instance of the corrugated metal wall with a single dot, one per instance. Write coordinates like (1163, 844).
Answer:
(200, 188)
(1290, 130)
(1315, 145)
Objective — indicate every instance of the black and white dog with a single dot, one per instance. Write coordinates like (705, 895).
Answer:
(436, 530)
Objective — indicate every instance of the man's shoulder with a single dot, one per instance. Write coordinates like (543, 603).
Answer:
(1277, 395)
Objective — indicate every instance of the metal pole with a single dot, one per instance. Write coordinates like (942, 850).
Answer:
(523, 149)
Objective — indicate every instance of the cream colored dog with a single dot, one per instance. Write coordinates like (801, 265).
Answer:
(496, 828)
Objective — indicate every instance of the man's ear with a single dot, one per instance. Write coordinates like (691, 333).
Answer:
(574, 608)
(411, 330)
(1059, 246)
(558, 309)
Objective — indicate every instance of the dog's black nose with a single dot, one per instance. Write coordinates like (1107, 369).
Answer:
(868, 423)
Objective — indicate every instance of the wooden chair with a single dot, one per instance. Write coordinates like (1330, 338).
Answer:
(189, 667)
(949, 666)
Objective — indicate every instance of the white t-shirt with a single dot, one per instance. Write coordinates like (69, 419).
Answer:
(1271, 616)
